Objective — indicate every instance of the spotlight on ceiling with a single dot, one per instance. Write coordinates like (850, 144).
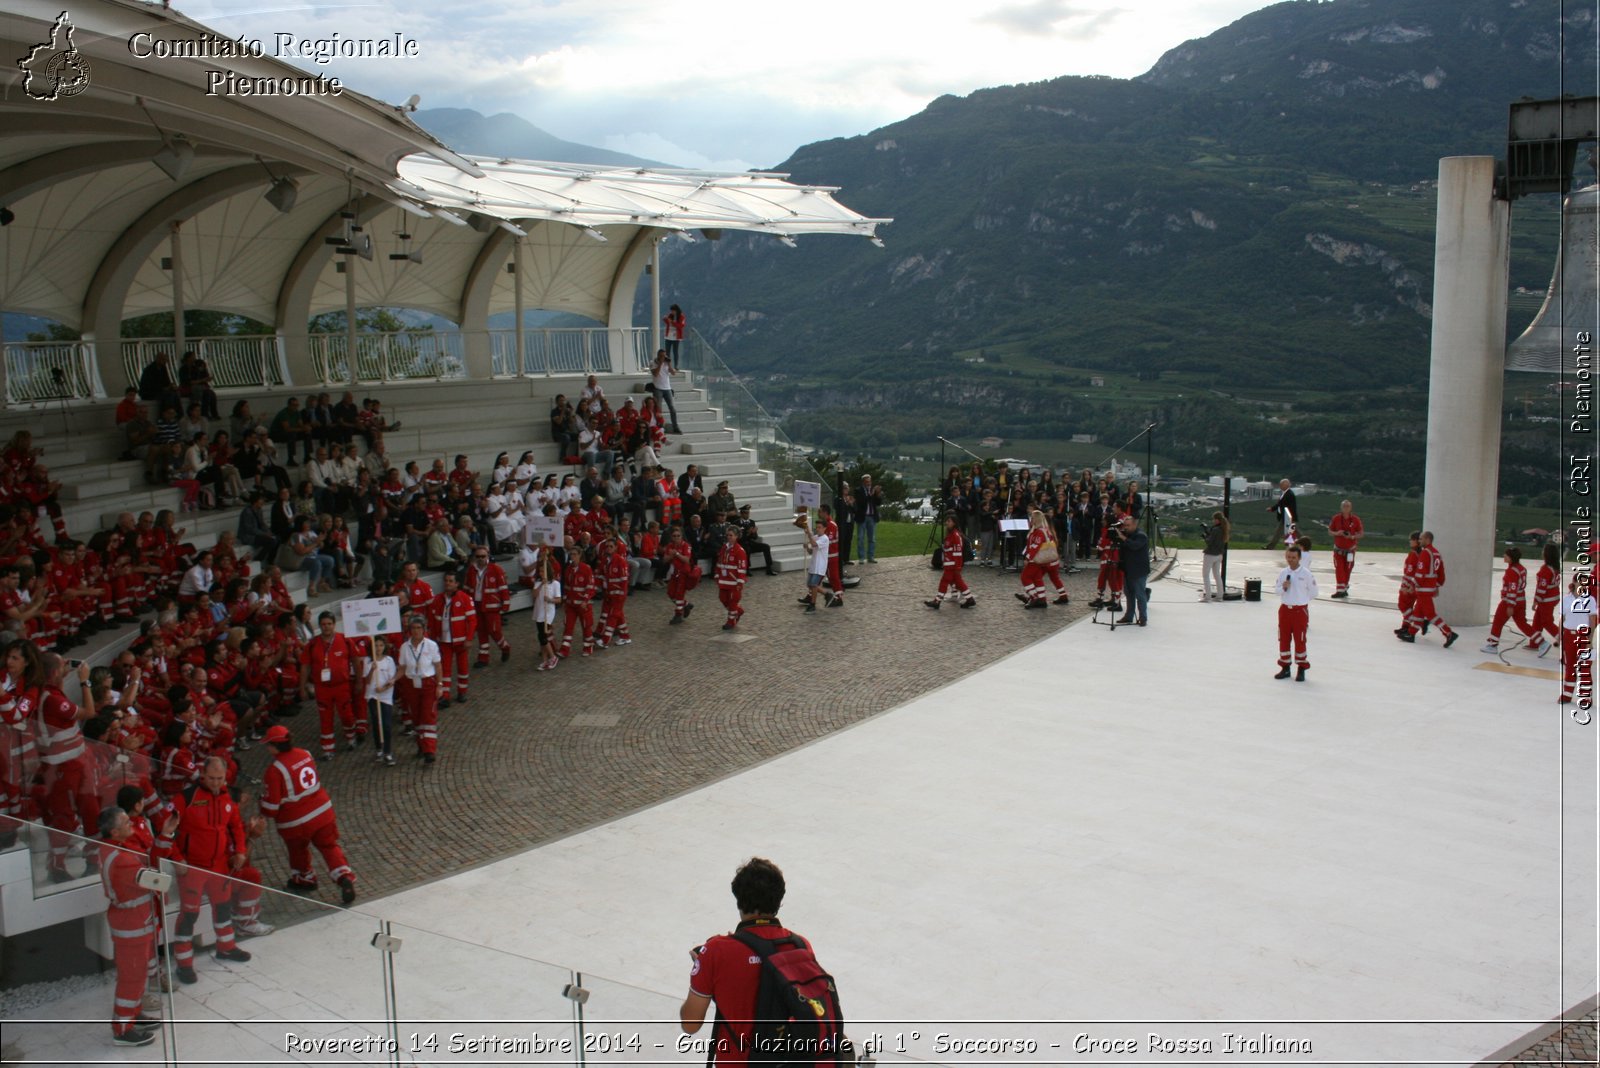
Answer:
(481, 223)
(174, 157)
(596, 234)
(414, 256)
(7, 217)
(787, 240)
(282, 194)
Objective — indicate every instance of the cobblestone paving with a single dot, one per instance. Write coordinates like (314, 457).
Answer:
(527, 759)
(1572, 1044)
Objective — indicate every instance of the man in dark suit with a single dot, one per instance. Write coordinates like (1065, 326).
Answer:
(592, 486)
(690, 479)
(253, 532)
(1285, 510)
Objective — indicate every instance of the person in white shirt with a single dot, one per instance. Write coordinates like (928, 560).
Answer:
(661, 373)
(381, 673)
(546, 598)
(817, 569)
(1297, 587)
(526, 469)
(419, 686)
(197, 580)
(1577, 643)
(505, 514)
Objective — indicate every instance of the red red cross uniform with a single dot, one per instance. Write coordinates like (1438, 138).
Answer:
(733, 567)
(295, 800)
(680, 568)
(1298, 588)
(1429, 577)
(953, 558)
(418, 689)
(1344, 528)
(17, 753)
(131, 915)
(1546, 596)
(72, 798)
(1512, 607)
(452, 622)
(1033, 570)
(1110, 570)
(1408, 585)
(491, 599)
(614, 574)
(578, 589)
(329, 661)
(210, 833)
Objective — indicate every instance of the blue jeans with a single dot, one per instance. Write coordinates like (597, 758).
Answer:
(318, 567)
(665, 395)
(867, 539)
(1137, 591)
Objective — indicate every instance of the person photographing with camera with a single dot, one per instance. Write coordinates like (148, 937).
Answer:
(1134, 559)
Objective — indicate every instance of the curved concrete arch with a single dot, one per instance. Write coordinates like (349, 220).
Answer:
(294, 294)
(108, 289)
(624, 282)
(476, 290)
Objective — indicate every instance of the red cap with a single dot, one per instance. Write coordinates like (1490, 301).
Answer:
(278, 733)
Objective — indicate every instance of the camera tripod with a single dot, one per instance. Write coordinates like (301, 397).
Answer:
(1113, 606)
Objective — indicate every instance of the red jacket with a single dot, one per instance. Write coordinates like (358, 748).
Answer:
(733, 566)
(616, 573)
(1547, 588)
(130, 908)
(1514, 586)
(294, 796)
(334, 657)
(488, 587)
(463, 618)
(955, 554)
(1343, 530)
(577, 585)
(210, 829)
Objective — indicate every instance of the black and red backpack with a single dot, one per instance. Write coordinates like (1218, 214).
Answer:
(798, 1021)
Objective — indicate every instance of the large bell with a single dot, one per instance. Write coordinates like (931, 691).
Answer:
(1572, 305)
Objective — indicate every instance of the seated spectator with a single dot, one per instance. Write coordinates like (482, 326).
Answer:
(307, 546)
(750, 538)
(137, 429)
(289, 429)
(591, 396)
(194, 382)
(166, 447)
(157, 384)
(442, 551)
(722, 500)
(193, 423)
(197, 580)
(346, 419)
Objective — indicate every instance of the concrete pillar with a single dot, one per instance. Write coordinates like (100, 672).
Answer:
(1466, 381)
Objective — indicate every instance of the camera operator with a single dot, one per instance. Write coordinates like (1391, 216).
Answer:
(1134, 558)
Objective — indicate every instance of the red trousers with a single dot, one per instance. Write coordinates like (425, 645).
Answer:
(677, 593)
(71, 805)
(326, 839)
(584, 614)
(456, 653)
(1544, 622)
(422, 709)
(333, 700)
(194, 886)
(613, 617)
(132, 955)
(1577, 659)
(951, 577)
(1110, 575)
(1423, 611)
(835, 582)
(1502, 614)
(491, 628)
(1344, 562)
(730, 597)
(1293, 621)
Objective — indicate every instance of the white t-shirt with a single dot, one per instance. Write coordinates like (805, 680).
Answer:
(663, 378)
(523, 472)
(380, 686)
(420, 661)
(545, 596)
(819, 555)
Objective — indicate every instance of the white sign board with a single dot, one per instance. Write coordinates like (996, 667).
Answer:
(807, 494)
(1013, 525)
(544, 530)
(371, 615)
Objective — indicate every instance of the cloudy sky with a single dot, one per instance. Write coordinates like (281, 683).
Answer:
(726, 83)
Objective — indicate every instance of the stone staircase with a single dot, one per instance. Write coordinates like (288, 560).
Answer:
(444, 419)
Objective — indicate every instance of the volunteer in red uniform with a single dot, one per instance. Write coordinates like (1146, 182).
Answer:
(491, 599)
(1110, 577)
(18, 754)
(420, 664)
(295, 800)
(1408, 581)
(953, 555)
(1577, 649)
(415, 593)
(211, 841)
(325, 670)
(1297, 587)
(579, 585)
(1347, 531)
(1513, 601)
(452, 620)
(1039, 551)
(733, 568)
(1546, 598)
(131, 915)
(1429, 577)
(72, 800)
(679, 558)
(614, 575)
(835, 578)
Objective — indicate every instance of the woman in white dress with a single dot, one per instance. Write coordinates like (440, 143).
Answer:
(505, 513)
(567, 498)
(526, 470)
(501, 471)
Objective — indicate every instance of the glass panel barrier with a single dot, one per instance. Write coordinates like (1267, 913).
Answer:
(458, 1002)
(211, 988)
(625, 1024)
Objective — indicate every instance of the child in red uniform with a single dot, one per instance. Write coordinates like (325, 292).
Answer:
(953, 557)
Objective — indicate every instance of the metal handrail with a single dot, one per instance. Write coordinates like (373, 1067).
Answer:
(38, 371)
(567, 350)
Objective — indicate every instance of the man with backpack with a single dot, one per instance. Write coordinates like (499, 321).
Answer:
(775, 1004)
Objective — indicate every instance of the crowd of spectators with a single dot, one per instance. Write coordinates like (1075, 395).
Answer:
(1079, 510)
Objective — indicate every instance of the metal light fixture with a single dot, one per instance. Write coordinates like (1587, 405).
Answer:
(282, 194)
(7, 217)
(174, 157)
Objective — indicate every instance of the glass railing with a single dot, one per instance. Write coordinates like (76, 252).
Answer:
(42, 371)
(757, 428)
(571, 351)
